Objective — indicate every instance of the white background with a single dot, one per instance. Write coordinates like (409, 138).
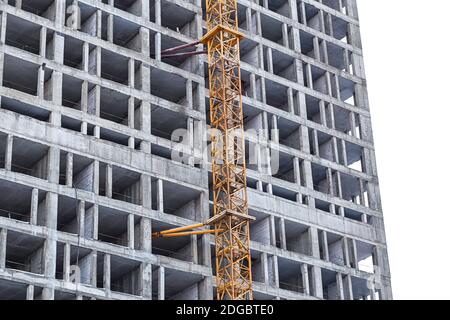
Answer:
(407, 57)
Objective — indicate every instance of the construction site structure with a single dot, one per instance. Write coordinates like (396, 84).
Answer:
(98, 182)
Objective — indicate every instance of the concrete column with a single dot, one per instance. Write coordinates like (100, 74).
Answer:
(316, 147)
(317, 281)
(110, 28)
(314, 238)
(60, 12)
(248, 18)
(338, 184)
(307, 172)
(305, 278)
(40, 83)
(69, 170)
(48, 293)
(316, 47)
(49, 254)
(145, 224)
(309, 78)
(146, 280)
(159, 196)
(3, 236)
(205, 291)
(285, 35)
(326, 253)
(335, 150)
(276, 276)
(57, 77)
(282, 234)
(84, 97)
(66, 265)
(265, 266)
(339, 287)
(96, 177)
(269, 60)
(81, 218)
(107, 271)
(2, 60)
(345, 251)
(145, 235)
(3, 27)
(382, 263)
(161, 283)
(53, 165)
(131, 106)
(8, 152)
(337, 87)
(275, 133)
(93, 271)
(303, 19)
(330, 184)
(323, 118)
(273, 237)
(354, 254)
(85, 62)
(91, 222)
(34, 206)
(130, 231)
(30, 292)
(349, 287)
(108, 182)
(297, 175)
(330, 116)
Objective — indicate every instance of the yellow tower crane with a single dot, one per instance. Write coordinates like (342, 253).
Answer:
(230, 220)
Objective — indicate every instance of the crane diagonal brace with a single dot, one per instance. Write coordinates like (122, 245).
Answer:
(213, 32)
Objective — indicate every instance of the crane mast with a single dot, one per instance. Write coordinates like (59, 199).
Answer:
(230, 219)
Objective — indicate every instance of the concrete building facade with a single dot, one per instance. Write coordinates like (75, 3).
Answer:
(87, 151)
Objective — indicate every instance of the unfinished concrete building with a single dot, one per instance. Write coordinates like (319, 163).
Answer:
(87, 112)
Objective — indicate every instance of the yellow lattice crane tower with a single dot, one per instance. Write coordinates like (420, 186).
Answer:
(231, 219)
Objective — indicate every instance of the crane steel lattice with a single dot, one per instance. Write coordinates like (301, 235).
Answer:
(230, 219)
(233, 260)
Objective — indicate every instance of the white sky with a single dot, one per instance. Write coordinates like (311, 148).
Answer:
(407, 57)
